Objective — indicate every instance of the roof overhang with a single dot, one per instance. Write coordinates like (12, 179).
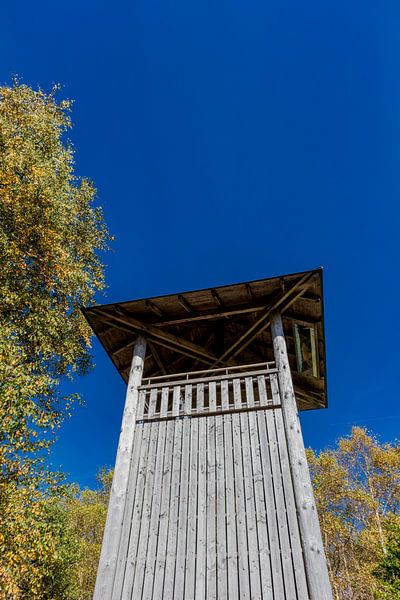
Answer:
(220, 326)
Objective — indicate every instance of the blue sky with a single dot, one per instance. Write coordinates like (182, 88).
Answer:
(231, 141)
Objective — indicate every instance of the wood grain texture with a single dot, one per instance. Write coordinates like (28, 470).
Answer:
(211, 570)
(247, 440)
(201, 543)
(169, 579)
(210, 509)
(156, 505)
(134, 492)
(142, 507)
(180, 567)
(190, 566)
(314, 554)
(243, 548)
(163, 525)
(231, 535)
(116, 507)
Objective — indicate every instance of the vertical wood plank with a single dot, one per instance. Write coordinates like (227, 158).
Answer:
(132, 555)
(210, 508)
(262, 390)
(158, 592)
(243, 556)
(116, 506)
(294, 534)
(248, 439)
(156, 505)
(314, 554)
(273, 536)
(201, 545)
(125, 585)
(211, 499)
(130, 500)
(190, 577)
(134, 578)
(169, 581)
(260, 504)
(286, 556)
(231, 534)
(179, 592)
(222, 571)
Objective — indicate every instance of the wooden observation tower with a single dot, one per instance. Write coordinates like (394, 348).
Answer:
(211, 497)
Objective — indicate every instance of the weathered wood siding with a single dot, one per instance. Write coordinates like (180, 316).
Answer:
(210, 510)
(313, 549)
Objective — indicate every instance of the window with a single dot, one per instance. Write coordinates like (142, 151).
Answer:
(305, 337)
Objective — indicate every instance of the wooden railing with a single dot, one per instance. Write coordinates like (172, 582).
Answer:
(207, 393)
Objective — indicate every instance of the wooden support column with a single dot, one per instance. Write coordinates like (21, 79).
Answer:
(115, 513)
(313, 550)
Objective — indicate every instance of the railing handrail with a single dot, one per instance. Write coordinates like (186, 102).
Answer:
(211, 375)
(205, 412)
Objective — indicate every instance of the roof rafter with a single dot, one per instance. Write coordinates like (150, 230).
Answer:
(282, 303)
(153, 307)
(163, 338)
(185, 304)
(217, 314)
(217, 298)
(157, 358)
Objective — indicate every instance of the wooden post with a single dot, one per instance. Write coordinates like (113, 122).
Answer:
(115, 513)
(313, 550)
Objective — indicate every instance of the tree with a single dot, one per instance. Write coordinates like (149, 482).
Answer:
(357, 490)
(50, 237)
(87, 512)
(39, 552)
(388, 569)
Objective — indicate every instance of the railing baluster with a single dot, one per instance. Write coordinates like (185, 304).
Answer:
(256, 382)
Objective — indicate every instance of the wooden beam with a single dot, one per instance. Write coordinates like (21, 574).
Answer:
(306, 320)
(311, 388)
(157, 358)
(314, 384)
(120, 349)
(249, 292)
(182, 352)
(185, 303)
(313, 549)
(172, 366)
(105, 330)
(305, 397)
(161, 337)
(116, 506)
(310, 297)
(282, 302)
(217, 298)
(153, 307)
(217, 314)
(242, 309)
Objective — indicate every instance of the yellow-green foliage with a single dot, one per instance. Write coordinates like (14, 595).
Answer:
(50, 542)
(50, 234)
(388, 569)
(38, 551)
(49, 237)
(86, 516)
(357, 489)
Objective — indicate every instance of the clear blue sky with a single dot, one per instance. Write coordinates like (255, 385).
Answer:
(231, 141)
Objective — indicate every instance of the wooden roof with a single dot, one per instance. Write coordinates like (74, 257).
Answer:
(218, 326)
